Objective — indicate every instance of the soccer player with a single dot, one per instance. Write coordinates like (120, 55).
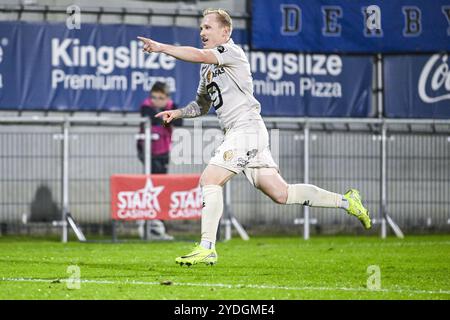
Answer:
(226, 85)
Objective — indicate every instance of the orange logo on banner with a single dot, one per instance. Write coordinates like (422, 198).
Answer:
(162, 197)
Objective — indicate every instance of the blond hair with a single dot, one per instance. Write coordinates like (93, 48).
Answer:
(222, 16)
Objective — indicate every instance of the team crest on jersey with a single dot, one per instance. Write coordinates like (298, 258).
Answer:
(228, 155)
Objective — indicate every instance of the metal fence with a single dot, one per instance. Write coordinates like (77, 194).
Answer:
(54, 165)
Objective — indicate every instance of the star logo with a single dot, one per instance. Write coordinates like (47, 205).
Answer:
(150, 194)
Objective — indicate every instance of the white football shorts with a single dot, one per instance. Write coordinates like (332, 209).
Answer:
(245, 148)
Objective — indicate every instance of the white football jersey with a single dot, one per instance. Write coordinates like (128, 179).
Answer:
(230, 86)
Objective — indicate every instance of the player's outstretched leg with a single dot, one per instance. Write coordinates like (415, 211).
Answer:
(269, 181)
(313, 196)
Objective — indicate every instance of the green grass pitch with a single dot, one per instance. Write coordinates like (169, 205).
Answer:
(417, 267)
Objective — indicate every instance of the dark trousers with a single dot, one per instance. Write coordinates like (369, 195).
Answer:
(160, 162)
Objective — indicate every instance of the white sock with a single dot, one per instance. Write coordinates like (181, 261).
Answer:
(310, 195)
(207, 244)
(211, 213)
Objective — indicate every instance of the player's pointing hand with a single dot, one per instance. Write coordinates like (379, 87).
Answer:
(150, 45)
(168, 116)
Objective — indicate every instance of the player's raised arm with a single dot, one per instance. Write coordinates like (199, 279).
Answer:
(215, 30)
(185, 53)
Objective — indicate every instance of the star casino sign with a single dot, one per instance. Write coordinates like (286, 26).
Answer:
(161, 197)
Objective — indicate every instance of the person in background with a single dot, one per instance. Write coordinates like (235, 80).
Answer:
(161, 134)
(161, 144)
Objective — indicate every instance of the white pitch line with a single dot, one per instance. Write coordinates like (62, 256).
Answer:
(231, 286)
(383, 244)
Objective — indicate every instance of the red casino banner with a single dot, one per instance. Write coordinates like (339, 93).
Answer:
(156, 197)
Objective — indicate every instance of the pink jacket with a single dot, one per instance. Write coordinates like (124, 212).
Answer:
(161, 136)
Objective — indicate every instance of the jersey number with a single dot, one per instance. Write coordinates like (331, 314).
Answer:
(214, 94)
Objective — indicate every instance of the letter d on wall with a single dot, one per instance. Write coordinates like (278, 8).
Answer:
(291, 22)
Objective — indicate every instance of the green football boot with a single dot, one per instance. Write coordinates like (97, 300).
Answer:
(198, 255)
(356, 207)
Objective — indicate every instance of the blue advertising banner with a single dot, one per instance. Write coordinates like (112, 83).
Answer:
(315, 85)
(99, 67)
(46, 66)
(417, 86)
(364, 26)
